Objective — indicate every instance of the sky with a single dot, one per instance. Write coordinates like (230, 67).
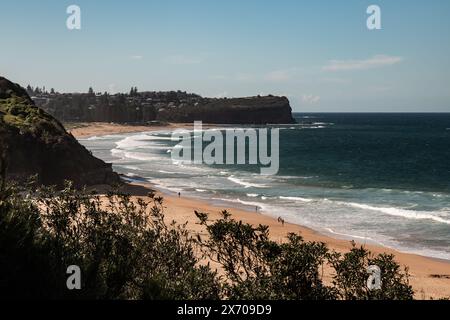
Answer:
(318, 53)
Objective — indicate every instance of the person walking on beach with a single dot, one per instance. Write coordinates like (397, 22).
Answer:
(179, 194)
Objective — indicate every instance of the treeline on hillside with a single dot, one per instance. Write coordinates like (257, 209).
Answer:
(133, 107)
(170, 106)
(127, 250)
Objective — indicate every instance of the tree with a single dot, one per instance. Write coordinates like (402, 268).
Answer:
(124, 249)
(30, 90)
(127, 250)
(133, 91)
(258, 268)
(351, 276)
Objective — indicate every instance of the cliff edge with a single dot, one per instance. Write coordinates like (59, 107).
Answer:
(33, 142)
(164, 106)
(251, 110)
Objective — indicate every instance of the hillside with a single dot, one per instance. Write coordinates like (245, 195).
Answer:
(170, 106)
(34, 142)
(251, 110)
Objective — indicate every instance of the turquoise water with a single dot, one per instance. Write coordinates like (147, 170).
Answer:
(378, 178)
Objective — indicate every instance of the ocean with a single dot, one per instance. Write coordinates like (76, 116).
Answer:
(375, 178)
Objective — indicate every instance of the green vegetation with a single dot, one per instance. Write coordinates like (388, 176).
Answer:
(34, 142)
(18, 112)
(127, 250)
(123, 252)
(258, 268)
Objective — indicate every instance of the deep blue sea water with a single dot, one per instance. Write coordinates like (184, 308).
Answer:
(379, 178)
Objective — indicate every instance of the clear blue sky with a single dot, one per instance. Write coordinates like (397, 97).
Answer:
(318, 53)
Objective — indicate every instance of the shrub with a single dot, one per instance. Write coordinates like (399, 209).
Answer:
(257, 268)
(351, 276)
(123, 252)
(126, 250)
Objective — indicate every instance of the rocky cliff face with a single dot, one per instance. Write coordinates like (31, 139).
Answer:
(171, 106)
(33, 142)
(252, 110)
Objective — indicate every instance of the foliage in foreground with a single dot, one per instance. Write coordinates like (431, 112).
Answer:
(123, 252)
(126, 250)
(259, 268)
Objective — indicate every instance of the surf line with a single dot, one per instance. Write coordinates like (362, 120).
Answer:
(232, 147)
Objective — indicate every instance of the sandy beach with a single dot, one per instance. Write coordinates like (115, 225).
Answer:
(86, 130)
(430, 278)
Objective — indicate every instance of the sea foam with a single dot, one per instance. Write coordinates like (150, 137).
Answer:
(296, 199)
(246, 184)
(397, 212)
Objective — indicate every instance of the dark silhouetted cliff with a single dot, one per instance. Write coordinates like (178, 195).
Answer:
(170, 106)
(252, 110)
(33, 142)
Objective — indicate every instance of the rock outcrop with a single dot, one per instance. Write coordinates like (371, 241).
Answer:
(33, 142)
(166, 106)
(251, 110)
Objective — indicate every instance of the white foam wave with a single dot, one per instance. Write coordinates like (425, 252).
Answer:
(161, 138)
(296, 199)
(295, 177)
(131, 175)
(348, 235)
(397, 212)
(245, 183)
(118, 153)
(133, 141)
(156, 147)
(139, 140)
(246, 203)
(126, 154)
(139, 156)
(167, 172)
(162, 185)
(252, 195)
(95, 138)
(132, 168)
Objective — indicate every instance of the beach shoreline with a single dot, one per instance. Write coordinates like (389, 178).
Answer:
(430, 277)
